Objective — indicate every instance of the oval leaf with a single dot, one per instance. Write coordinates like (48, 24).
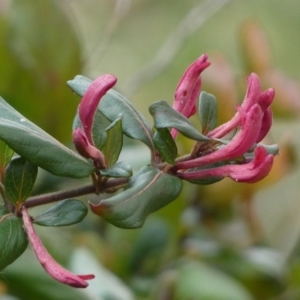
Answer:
(114, 142)
(64, 213)
(166, 117)
(147, 191)
(207, 110)
(38, 147)
(13, 238)
(134, 125)
(112, 105)
(79, 84)
(120, 169)
(165, 145)
(19, 179)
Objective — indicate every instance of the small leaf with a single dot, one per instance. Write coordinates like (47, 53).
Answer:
(120, 169)
(38, 147)
(165, 145)
(112, 105)
(147, 191)
(114, 142)
(79, 84)
(166, 117)
(64, 213)
(207, 110)
(98, 130)
(12, 236)
(134, 124)
(19, 179)
(6, 155)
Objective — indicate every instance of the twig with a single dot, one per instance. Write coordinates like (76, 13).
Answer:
(84, 190)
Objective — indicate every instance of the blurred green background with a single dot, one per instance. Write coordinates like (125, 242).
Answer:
(226, 241)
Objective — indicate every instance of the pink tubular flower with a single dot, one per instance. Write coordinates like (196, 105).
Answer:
(83, 138)
(90, 102)
(188, 89)
(251, 172)
(253, 96)
(241, 143)
(49, 264)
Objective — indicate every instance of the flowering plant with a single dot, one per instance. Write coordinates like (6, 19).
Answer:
(233, 149)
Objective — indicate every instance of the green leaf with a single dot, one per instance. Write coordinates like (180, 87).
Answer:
(147, 191)
(120, 169)
(112, 105)
(166, 117)
(38, 147)
(64, 213)
(98, 130)
(114, 142)
(165, 145)
(207, 110)
(134, 124)
(13, 238)
(19, 179)
(79, 84)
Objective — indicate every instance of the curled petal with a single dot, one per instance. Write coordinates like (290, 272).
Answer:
(240, 144)
(265, 124)
(87, 150)
(251, 172)
(90, 101)
(266, 98)
(253, 92)
(189, 111)
(251, 98)
(188, 89)
(49, 264)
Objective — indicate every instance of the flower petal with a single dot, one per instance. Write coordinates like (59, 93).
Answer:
(90, 101)
(250, 172)
(265, 124)
(251, 98)
(241, 143)
(49, 264)
(188, 89)
(266, 98)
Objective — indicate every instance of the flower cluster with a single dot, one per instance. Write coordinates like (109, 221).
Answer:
(241, 158)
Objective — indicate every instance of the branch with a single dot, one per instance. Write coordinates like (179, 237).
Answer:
(84, 190)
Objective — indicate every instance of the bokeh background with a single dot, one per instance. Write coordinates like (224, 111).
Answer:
(225, 241)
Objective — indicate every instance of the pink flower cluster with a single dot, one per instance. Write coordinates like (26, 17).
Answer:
(252, 122)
